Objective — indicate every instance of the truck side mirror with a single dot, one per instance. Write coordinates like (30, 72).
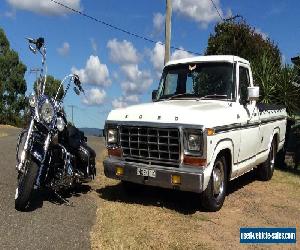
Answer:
(154, 95)
(253, 93)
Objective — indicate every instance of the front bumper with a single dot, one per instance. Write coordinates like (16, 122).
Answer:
(191, 178)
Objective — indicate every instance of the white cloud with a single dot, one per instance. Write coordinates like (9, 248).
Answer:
(134, 81)
(263, 34)
(180, 54)
(132, 98)
(137, 81)
(119, 103)
(158, 22)
(94, 45)
(10, 13)
(201, 11)
(157, 58)
(158, 53)
(45, 7)
(122, 52)
(94, 72)
(124, 101)
(94, 96)
(64, 49)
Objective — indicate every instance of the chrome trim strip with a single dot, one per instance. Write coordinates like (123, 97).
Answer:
(238, 126)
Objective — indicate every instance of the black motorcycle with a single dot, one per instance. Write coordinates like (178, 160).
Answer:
(51, 153)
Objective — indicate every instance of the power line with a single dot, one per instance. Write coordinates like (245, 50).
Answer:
(118, 28)
(213, 3)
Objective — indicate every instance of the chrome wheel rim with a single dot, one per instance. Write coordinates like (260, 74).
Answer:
(218, 179)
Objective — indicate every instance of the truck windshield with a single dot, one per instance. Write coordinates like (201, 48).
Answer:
(200, 80)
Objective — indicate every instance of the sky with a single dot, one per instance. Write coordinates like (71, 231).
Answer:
(116, 69)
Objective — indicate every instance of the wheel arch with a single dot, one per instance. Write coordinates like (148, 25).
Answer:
(224, 147)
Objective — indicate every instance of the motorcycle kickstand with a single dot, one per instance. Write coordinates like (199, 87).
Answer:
(65, 201)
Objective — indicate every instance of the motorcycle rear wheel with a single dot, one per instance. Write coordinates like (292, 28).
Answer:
(25, 186)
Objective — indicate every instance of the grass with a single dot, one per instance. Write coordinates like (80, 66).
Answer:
(153, 218)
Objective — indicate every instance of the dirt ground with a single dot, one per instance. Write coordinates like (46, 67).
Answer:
(154, 218)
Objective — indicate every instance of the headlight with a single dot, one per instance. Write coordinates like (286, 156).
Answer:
(60, 124)
(32, 100)
(112, 136)
(194, 142)
(47, 111)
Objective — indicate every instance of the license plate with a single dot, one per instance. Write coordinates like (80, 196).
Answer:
(146, 172)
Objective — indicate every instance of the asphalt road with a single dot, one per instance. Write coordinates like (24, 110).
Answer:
(48, 225)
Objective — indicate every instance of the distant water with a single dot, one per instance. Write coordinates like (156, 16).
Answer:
(92, 131)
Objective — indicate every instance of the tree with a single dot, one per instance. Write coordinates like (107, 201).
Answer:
(240, 39)
(276, 82)
(12, 84)
(51, 88)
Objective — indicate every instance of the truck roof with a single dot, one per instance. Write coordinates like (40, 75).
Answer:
(215, 58)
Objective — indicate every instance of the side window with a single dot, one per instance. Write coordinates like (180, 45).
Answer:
(170, 84)
(244, 84)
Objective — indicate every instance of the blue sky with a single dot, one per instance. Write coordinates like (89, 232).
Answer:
(117, 69)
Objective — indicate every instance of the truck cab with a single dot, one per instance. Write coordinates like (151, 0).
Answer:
(203, 128)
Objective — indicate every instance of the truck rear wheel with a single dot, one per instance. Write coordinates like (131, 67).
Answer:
(266, 169)
(214, 195)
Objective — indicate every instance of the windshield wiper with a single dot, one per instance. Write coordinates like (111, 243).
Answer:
(213, 97)
(180, 95)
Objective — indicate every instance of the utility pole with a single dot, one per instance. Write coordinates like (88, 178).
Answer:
(168, 30)
(72, 107)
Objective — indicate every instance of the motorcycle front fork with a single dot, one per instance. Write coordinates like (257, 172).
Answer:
(25, 149)
(46, 146)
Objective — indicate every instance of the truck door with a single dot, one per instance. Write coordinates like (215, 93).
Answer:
(248, 119)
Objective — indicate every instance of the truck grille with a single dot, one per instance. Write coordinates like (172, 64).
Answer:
(150, 144)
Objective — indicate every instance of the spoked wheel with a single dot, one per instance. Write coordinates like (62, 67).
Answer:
(266, 169)
(25, 185)
(214, 195)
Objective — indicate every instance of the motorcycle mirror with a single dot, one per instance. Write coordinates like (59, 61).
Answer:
(76, 91)
(32, 49)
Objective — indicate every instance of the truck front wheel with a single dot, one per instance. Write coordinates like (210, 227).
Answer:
(214, 195)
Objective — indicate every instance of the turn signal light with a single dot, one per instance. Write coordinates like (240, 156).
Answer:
(210, 131)
(119, 171)
(114, 152)
(194, 161)
(176, 179)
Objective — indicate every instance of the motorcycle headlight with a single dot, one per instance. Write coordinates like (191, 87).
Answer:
(112, 136)
(47, 111)
(32, 100)
(60, 124)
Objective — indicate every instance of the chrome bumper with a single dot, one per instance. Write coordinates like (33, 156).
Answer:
(191, 178)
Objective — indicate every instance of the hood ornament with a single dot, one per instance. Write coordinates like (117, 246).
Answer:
(191, 68)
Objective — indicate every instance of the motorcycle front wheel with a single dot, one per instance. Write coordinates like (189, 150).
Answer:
(25, 186)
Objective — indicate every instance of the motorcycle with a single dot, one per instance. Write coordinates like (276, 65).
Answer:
(51, 153)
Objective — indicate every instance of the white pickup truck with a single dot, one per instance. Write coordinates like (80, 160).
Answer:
(203, 129)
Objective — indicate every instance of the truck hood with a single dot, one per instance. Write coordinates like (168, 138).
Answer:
(209, 113)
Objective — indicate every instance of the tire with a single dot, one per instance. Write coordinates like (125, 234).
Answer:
(213, 197)
(265, 170)
(280, 158)
(25, 186)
